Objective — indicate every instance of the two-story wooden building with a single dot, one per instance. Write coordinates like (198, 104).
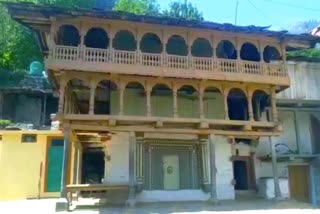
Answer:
(159, 104)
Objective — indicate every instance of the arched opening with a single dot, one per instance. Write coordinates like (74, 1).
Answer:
(106, 98)
(96, 38)
(213, 103)
(124, 40)
(77, 97)
(68, 35)
(271, 53)
(134, 99)
(176, 45)
(201, 48)
(260, 102)
(249, 52)
(151, 43)
(188, 102)
(237, 105)
(162, 101)
(226, 50)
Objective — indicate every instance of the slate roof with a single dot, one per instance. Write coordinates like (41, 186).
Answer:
(20, 11)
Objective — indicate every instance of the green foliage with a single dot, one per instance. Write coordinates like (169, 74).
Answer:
(5, 123)
(306, 53)
(179, 9)
(139, 7)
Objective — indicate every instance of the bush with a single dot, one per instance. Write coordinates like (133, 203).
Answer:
(4, 123)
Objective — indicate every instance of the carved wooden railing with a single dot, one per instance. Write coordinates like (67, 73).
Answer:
(68, 53)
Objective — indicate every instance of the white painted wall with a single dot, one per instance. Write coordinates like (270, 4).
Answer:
(117, 169)
(225, 189)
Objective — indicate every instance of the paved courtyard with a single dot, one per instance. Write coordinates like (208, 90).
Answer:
(256, 206)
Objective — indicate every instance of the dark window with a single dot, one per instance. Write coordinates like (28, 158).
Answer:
(29, 138)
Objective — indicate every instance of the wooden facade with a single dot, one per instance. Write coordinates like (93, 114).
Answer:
(141, 75)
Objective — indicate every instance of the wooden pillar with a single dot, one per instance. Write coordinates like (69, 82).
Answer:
(92, 97)
(238, 46)
(61, 96)
(275, 118)
(213, 169)
(190, 61)
(250, 109)
(205, 163)
(139, 162)
(277, 190)
(75, 163)
(148, 95)
(121, 98)
(105, 151)
(131, 202)
(201, 104)
(66, 161)
(79, 163)
(213, 43)
(175, 101)
(226, 107)
(1, 104)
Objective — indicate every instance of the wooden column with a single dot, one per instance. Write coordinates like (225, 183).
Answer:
(213, 169)
(92, 97)
(75, 163)
(121, 98)
(277, 190)
(189, 40)
(201, 104)
(139, 162)
(148, 95)
(274, 106)
(238, 46)
(175, 101)
(226, 108)
(105, 151)
(79, 163)
(61, 96)
(131, 202)
(213, 43)
(250, 109)
(66, 160)
(205, 163)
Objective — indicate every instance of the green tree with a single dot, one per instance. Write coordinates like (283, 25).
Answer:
(185, 10)
(139, 7)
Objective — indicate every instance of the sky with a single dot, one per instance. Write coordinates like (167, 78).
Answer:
(280, 14)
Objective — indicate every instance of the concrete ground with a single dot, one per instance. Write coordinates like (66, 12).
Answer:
(257, 206)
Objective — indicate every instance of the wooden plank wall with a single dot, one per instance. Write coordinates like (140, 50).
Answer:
(305, 81)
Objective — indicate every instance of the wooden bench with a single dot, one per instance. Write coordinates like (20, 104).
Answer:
(77, 188)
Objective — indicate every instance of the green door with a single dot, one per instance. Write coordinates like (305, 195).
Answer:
(55, 160)
(171, 178)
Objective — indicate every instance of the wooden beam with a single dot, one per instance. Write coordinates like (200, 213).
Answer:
(213, 169)
(240, 134)
(66, 161)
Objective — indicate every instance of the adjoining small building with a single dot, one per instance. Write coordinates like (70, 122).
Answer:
(175, 110)
(28, 102)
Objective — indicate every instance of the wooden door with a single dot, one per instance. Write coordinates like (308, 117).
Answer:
(54, 170)
(299, 181)
(171, 178)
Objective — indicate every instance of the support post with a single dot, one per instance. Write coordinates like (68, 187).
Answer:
(131, 202)
(250, 109)
(205, 163)
(121, 98)
(175, 101)
(226, 108)
(274, 106)
(213, 169)
(75, 163)
(66, 161)
(139, 162)
(61, 96)
(148, 95)
(201, 104)
(277, 190)
(92, 97)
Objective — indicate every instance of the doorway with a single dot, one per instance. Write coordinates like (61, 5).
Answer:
(299, 182)
(93, 166)
(240, 175)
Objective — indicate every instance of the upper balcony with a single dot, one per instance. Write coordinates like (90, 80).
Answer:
(179, 56)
